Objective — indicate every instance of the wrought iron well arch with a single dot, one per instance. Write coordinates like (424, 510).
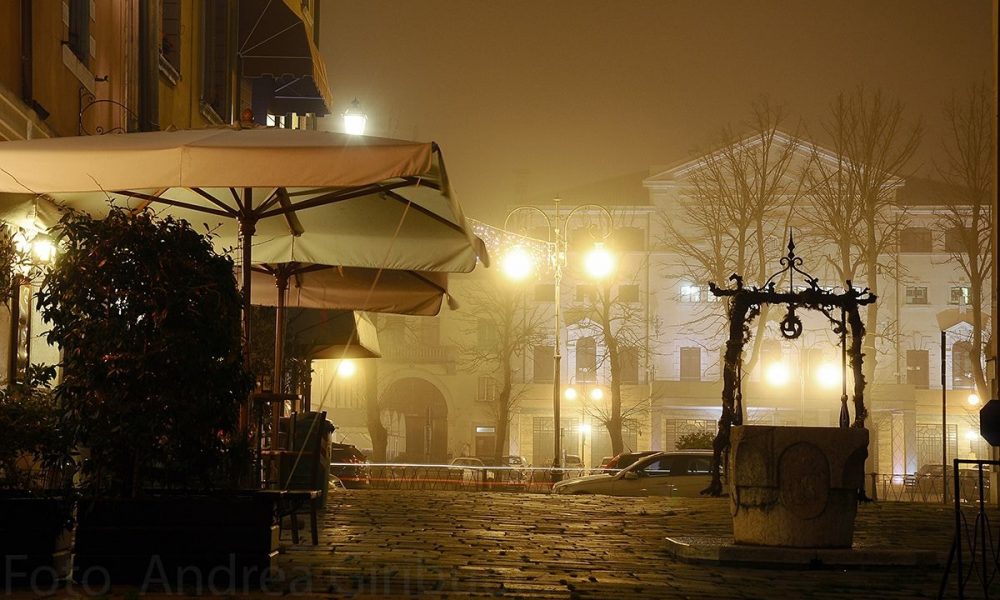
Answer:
(744, 306)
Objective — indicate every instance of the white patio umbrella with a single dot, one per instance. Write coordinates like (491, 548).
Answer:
(352, 201)
(306, 285)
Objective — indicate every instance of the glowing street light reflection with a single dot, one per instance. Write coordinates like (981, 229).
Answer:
(973, 400)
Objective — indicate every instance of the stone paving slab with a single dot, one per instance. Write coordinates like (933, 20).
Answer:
(438, 544)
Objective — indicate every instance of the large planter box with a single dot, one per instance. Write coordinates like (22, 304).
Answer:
(177, 541)
(796, 486)
(35, 540)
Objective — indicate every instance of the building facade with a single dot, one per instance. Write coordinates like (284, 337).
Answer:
(672, 386)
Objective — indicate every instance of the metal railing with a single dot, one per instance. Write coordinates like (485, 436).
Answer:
(927, 488)
(475, 478)
(975, 549)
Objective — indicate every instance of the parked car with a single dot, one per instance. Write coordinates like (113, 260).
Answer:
(929, 480)
(472, 470)
(350, 466)
(681, 473)
(617, 463)
(517, 469)
(573, 465)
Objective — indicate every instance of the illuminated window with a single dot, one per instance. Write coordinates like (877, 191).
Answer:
(690, 293)
(960, 295)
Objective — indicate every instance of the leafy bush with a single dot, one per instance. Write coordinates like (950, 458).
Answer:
(698, 440)
(36, 440)
(147, 316)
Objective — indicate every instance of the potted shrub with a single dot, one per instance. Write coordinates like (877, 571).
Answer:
(35, 501)
(147, 318)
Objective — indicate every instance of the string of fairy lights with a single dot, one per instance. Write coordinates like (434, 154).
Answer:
(499, 240)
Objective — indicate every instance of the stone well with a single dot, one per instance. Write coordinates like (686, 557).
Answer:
(796, 486)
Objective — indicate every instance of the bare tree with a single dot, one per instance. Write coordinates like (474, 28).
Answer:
(739, 199)
(967, 215)
(620, 325)
(497, 329)
(852, 194)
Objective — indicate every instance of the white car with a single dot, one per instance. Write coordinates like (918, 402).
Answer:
(681, 473)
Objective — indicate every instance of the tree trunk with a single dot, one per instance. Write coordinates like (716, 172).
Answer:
(503, 416)
(373, 415)
(614, 423)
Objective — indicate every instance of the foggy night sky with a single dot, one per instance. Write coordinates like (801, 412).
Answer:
(530, 99)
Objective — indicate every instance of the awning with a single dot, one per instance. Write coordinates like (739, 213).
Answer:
(277, 42)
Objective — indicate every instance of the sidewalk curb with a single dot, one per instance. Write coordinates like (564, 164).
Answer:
(719, 550)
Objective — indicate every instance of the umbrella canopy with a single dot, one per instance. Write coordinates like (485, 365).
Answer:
(353, 201)
(382, 198)
(351, 288)
(336, 334)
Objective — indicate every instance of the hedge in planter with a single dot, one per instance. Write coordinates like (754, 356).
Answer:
(35, 500)
(147, 316)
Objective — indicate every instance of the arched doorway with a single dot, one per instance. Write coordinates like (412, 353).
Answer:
(425, 413)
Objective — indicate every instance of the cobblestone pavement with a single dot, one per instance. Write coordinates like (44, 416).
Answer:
(437, 544)
(455, 545)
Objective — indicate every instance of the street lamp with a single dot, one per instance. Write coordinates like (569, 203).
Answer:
(346, 368)
(518, 264)
(34, 250)
(594, 394)
(355, 119)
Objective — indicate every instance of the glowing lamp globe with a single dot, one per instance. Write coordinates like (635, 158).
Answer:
(517, 263)
(347, 368)
(355, 119)
(599, 262)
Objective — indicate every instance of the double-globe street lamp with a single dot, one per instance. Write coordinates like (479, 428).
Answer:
(518, 263)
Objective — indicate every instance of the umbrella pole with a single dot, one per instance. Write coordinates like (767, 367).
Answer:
(247, 228)
(281, 281)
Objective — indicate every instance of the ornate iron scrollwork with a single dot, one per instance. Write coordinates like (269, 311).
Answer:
(89, 101)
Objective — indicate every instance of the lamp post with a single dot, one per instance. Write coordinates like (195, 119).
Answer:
(33, 250)
(973, 401)
(517, 264)
(594, 394)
